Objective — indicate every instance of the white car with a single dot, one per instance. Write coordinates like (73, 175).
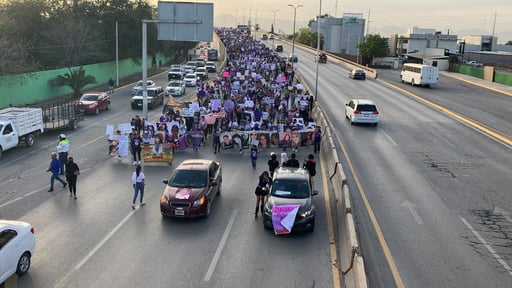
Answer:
(362, 111)
(190, 79)
(175, 88)
(138, 86)
(17, 245)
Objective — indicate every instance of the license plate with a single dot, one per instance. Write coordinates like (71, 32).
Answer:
(179, 212)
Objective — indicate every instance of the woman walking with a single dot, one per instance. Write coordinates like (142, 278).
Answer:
(261, 191)
(72, 171)
(138, 185)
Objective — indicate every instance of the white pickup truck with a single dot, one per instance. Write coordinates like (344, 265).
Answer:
(19, 125)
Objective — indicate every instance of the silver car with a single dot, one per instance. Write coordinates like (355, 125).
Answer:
(362, 111)
(138, 86)
(175, 88)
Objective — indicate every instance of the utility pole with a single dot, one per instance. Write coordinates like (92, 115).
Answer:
(294, 7)
(368, 24)
(274, 23)
(318, 48)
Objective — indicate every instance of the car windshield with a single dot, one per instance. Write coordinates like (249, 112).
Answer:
(366, 107)
(89, 98)
(190, 76)
(188, 179)
(290, 189)
(174, 84)
(151, 92)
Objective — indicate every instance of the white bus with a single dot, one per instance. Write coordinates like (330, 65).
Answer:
(419, 74)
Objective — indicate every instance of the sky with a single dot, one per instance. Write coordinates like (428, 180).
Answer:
(383, 17)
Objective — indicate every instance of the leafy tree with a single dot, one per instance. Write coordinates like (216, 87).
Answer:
(509, 42)
(72, 41)
(75, 79)
(452, 60)
(374, 46)
(21, 22)
(309, 38)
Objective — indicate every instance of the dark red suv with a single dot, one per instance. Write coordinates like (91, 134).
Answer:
(191, 189)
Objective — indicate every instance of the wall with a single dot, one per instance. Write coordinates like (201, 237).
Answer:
(35, 88)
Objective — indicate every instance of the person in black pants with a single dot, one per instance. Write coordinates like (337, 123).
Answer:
(72, 171)
(216, 140)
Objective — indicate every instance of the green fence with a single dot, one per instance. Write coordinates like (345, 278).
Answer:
(35, 88)
(503, 78)
(470, 70)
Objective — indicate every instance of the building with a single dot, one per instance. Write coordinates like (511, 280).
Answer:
(417, 40)
(480, 43)
(341, 35)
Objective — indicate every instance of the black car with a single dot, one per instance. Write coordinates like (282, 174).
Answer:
(155, 98)
(278, 48)
(357, 74)
(291, 186)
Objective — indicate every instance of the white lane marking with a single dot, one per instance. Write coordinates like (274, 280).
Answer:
(412, 209)
(442, 138)
(222, 243)
(389, 137)
(94, 250)
(487, 246)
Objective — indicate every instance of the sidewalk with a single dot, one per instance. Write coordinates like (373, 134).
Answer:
(496, 87)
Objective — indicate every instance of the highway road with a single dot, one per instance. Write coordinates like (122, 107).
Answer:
(431, 197)
(430, 185)
(99, 241)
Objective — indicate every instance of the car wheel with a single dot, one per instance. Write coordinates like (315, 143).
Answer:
(73, 124)
(265, 225)
(312, 228)
(220, 189)
(97, 111)
(30, 140)
(23, 264)
(108, 106)
(375, 124)
(208, 209)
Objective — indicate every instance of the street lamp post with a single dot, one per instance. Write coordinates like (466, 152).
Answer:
(317, 49)
(294, 7)
(274, 25)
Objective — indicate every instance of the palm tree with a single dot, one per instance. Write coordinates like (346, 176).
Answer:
(75, 79)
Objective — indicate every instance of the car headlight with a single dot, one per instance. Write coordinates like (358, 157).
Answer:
(164, 200)
(199, 202)
(306, 213)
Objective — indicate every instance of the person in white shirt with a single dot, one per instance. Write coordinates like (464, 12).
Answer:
(138, 185)
(284, 158)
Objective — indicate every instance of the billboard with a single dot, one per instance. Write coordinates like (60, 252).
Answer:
(185, 21)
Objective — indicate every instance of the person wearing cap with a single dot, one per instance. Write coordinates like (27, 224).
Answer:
(63, 150)
(55, 168)
(72, 172)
